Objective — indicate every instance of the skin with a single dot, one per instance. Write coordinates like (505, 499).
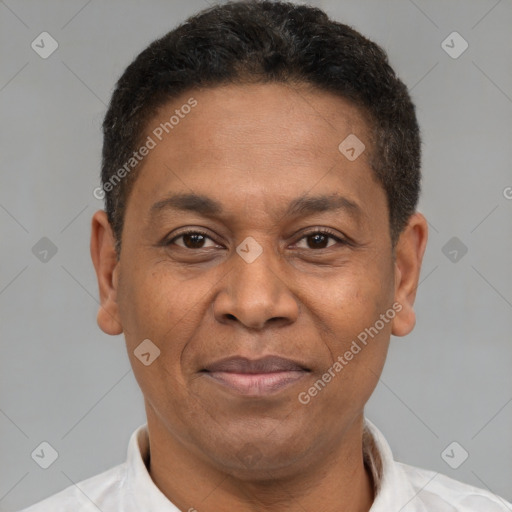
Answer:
(254, 148)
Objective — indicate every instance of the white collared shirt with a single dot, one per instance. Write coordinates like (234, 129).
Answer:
(128, 487)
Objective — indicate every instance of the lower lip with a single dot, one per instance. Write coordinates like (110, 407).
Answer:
(257, 384)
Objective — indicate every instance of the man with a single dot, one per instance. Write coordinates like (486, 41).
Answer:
(260, 244)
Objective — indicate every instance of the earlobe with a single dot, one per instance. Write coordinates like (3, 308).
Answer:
(409, 253)
(105, 262)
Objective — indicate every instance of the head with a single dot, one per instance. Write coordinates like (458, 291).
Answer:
(288, 149)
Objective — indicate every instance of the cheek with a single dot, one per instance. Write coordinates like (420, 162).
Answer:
(151, 303)
(154, 306)
(358, 347)
(152, 309)
(351, 309)
(354, 297)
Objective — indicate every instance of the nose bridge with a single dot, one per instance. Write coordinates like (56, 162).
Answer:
(254, 271)
(254, 292)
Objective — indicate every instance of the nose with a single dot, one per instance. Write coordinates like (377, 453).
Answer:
(255, 294)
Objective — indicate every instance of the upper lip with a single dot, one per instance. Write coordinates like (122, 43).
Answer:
(268, 364)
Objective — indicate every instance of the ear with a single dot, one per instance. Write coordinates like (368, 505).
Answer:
(105, 262)
(409, 252)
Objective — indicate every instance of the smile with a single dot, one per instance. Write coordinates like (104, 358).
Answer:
(257, 384)
(255, 377)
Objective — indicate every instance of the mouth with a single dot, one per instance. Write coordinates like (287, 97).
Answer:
(257, 377)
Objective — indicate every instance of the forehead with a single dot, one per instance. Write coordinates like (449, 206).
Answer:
(260, 141)
(284, 116)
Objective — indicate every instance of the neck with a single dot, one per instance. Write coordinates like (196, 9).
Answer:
(336, 480)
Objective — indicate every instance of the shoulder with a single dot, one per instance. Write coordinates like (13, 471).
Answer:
(100, 491)
(439, 492)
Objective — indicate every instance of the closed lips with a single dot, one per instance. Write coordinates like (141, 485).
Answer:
(269, 364)
(263, 377)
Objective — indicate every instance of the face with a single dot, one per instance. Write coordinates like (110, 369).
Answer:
(255, 255)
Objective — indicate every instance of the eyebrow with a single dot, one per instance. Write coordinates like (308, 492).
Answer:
(209, 207)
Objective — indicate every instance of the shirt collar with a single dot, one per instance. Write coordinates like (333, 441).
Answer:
(392, 486)
(141, 493)
(393, 489)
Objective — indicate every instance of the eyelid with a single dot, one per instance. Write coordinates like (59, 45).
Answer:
(329, 233)
(192, 231)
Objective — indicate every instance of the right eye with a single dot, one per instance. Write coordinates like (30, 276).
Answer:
(192, 239)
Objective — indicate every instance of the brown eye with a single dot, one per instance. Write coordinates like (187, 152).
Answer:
(319, 239)
(191, 240)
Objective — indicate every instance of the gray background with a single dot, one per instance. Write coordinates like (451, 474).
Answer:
(65, 382)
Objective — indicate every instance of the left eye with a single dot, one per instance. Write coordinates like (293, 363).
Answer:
(196, 239)
(319, 239)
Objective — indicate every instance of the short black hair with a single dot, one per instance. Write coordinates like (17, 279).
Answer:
(266, 41)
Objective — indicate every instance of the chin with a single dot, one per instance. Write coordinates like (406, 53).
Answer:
(257, 460)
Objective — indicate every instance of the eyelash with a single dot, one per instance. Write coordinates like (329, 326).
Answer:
(323, 231)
